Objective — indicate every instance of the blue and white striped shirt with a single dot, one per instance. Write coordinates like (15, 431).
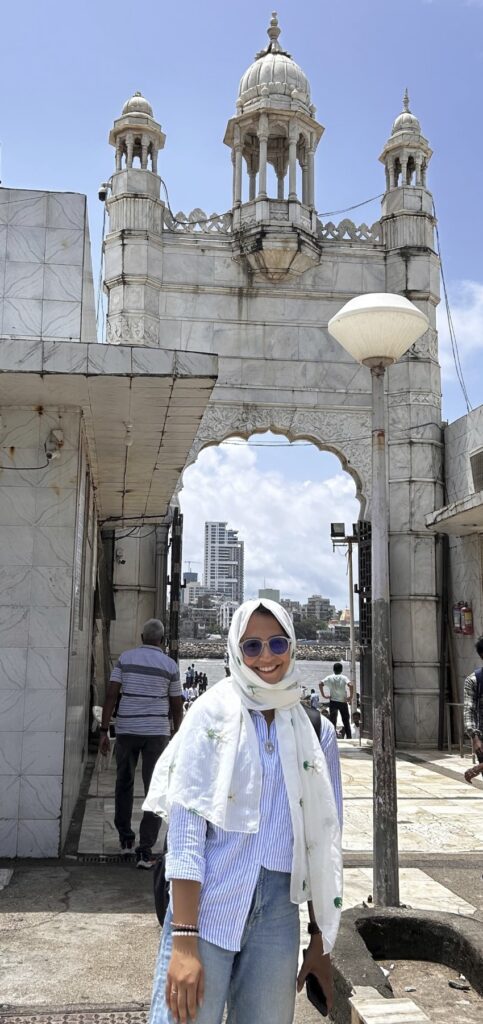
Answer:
(148, 679)
(228, 863)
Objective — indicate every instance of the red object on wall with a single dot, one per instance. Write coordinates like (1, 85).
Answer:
(466, 620)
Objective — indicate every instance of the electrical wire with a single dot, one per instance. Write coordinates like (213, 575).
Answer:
(23, 469)
(452, 332)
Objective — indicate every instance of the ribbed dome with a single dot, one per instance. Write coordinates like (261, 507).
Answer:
(274, 74)
(406, 121)
(137, 104)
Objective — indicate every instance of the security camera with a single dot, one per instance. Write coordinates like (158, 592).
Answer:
(103, 191)
(120, 556)
(54, 444)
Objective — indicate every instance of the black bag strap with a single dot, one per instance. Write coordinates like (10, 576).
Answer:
(315, 718)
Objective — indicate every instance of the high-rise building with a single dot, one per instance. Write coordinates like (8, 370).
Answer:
(319, 608)
(224, 561)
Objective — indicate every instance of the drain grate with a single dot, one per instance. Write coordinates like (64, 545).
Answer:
(105, 858)
(137, 1014)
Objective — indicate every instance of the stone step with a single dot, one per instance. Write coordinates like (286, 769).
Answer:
(369, 1007)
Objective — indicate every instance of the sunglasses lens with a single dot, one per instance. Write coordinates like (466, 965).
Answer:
(252, 648)
(278, 644)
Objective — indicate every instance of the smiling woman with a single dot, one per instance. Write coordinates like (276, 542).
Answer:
(236, 785)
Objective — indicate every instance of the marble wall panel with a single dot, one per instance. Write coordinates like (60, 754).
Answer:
(22, 316)
(24, 280)
(65, 358)
(38, 838)
(13, 667)
(40, 797)
(44, 711)
(9, 798)
(53, 545)
(25, 244)
(51, 586)
(8, 835)
(17, 506)
(3, 245)
(48, 626)
(61, 320)
(64, 246)
(16, 584)
(66, 210)
(10, 755)
(11, 711)
(42, 753)
(27, 207)
(14, 625)
(54, 507)
(20, 429)
(46, 668)
(18, 353)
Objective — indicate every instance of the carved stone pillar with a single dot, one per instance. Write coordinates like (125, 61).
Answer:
(292, 164)
(280, 185)
(144, 152)
(118, 155)
(129, 149)
(154, 158)
(263, 143)
(311, 180)
(252, 185)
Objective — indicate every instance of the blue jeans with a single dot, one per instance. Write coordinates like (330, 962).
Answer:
(258, 983)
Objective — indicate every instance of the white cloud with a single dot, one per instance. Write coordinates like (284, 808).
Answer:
(466, 303)
(285, 523)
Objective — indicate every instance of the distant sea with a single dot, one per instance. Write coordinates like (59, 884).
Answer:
(310, 672)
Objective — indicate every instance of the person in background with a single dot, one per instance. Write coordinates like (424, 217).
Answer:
(150, 689)
(314, 699)
(253, 799)
(473, 706)
(356, 725)
(337, 685)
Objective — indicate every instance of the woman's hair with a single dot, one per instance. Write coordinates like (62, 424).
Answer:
(262, 610)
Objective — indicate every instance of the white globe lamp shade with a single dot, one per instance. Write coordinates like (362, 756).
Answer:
(378, 328)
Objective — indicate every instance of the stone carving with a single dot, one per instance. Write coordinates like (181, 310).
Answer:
(198, 222)
(347, 231)
(347, 435)
(415, 398)
(135, 329)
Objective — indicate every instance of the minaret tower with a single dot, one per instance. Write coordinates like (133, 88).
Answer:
(274, 126)
(133, 247)
(406, 156)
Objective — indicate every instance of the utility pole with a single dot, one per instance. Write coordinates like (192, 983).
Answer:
(340, 539)
(175, 583)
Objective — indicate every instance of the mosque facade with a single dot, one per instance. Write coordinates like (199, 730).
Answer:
(216, 327)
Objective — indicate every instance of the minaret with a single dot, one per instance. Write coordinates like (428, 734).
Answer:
(406, 156)
(274, 126)
(133, 247)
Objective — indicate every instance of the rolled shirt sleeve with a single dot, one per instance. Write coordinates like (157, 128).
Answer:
(185, 858)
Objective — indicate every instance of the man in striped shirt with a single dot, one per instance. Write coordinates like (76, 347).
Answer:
(473, 705)
(150, 690)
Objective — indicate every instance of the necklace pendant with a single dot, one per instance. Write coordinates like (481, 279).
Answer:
(269, 747)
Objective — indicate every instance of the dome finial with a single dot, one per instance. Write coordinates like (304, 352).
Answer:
(273, 32)
(406, 100)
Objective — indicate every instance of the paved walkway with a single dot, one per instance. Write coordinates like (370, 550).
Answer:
(77, 932)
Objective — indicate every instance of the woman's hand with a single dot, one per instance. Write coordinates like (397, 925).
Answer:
(317, 962)
(185, 979)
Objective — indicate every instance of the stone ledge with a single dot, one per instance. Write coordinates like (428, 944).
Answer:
(400, 934)
(368, 1007)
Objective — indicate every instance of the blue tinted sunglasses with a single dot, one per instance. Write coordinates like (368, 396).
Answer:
(253, 647)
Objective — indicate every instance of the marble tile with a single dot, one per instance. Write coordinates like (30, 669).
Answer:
(66, 420)
(66, 210)
(14, 624)
(15, 586)
(38, 838)
(22, 317)
(61, 319)
(8, 837)
(16, 545)
(25, 244)
(54, 507)
(9, 797)
(109, 359)
(20, 427)
(20, 354)
(66, 356)
(61, 472)
(44, 711)
(11, 710)
(27, 207)
(3, 240)
(51, 586)
(53, 545)
(42, 753)
(47, 668)
(24, 280)
(6, 875)
(48, 626)
(13, 667)
(40, 796)
(417, 890)
(64, 245)
(63, 283)
(17, 506)
(10, 752)
(152, 360)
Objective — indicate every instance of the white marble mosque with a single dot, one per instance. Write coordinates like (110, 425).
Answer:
(216, 326)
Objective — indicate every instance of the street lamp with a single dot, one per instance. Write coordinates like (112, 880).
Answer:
(377, 329)
(339, 538)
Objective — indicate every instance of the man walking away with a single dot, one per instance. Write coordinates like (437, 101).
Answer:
(337, 686)
(150, 690)
(473, 705)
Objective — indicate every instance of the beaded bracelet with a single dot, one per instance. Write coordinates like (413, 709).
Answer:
(185, 927)
(178, 931)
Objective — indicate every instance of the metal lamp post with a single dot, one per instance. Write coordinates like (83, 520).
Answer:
(377, 329)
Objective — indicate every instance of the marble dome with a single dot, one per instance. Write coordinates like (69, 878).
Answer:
(406, 121)
(137, 104)
(274, 75)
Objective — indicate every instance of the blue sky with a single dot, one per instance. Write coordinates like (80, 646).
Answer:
(66, 70)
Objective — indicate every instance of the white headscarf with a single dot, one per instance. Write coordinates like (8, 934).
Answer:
(212, 767)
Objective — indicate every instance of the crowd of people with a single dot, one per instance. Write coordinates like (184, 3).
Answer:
(196, 683)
